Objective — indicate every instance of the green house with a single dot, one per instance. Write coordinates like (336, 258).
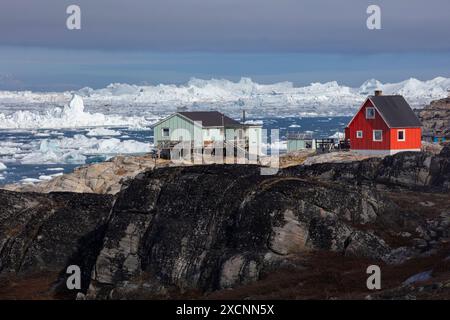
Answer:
(204, 128)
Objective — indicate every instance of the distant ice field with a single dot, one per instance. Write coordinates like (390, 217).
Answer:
(137, 105)
(43, 134)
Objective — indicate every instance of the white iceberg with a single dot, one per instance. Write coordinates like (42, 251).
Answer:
(98, 132)
(337, 135)
(71, 116)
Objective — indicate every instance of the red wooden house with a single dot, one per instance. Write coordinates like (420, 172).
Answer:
(384, 125)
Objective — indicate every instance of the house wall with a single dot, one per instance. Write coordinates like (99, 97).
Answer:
(254, 135)
(294, 145)
(212, 134)
(413, 139)
(173, 123)
(367, 126)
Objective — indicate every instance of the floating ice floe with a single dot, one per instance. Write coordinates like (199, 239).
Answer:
(75, 150)
(9, 147)
(30, 180)
(98, 132)
(49, 177)
(2, 167)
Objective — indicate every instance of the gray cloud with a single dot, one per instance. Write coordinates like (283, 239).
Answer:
(229, 25)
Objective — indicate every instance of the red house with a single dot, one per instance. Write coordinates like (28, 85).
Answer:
(384, 125)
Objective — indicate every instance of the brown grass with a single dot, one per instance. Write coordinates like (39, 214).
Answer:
(329, 275)
(31, 287)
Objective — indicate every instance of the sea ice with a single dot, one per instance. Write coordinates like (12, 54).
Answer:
(96, 132)
(74, 150)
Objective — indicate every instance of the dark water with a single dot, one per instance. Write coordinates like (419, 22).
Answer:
(321, 127)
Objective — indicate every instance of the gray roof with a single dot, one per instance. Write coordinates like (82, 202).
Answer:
(210, 118)
(395, 111)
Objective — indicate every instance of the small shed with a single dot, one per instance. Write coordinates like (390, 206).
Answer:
(300, 141)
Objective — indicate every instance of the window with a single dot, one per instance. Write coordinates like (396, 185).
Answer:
(401, 135)
(377, 135)
(370, 113)
(359, 134)
(165, 132)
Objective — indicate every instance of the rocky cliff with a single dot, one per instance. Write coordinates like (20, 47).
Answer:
(201, 230)
(435, 117)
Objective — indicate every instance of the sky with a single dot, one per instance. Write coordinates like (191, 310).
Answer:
(170, 41)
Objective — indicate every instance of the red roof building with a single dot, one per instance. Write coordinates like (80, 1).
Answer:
(384, 125)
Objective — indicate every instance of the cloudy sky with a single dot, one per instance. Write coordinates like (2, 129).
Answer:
(170, 41)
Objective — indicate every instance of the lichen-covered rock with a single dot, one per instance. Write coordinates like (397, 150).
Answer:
(49, 232)
(207, 228)
(211, 227)
(435, 117)
(417, 170)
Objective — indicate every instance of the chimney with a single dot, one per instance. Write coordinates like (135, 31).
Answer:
(243, 116)
(378, 93)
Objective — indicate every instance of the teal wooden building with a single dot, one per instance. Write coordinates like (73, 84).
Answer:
(300, 141)
(204, 129)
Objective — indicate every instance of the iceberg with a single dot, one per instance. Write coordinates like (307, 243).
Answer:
(337, 135)
(71, 116)
(102, 132)
(2, 167)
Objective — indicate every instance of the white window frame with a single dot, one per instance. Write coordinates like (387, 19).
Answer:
(373, 135)
(359, 134)
(404, 135)
(370, 108)
(162, 132)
